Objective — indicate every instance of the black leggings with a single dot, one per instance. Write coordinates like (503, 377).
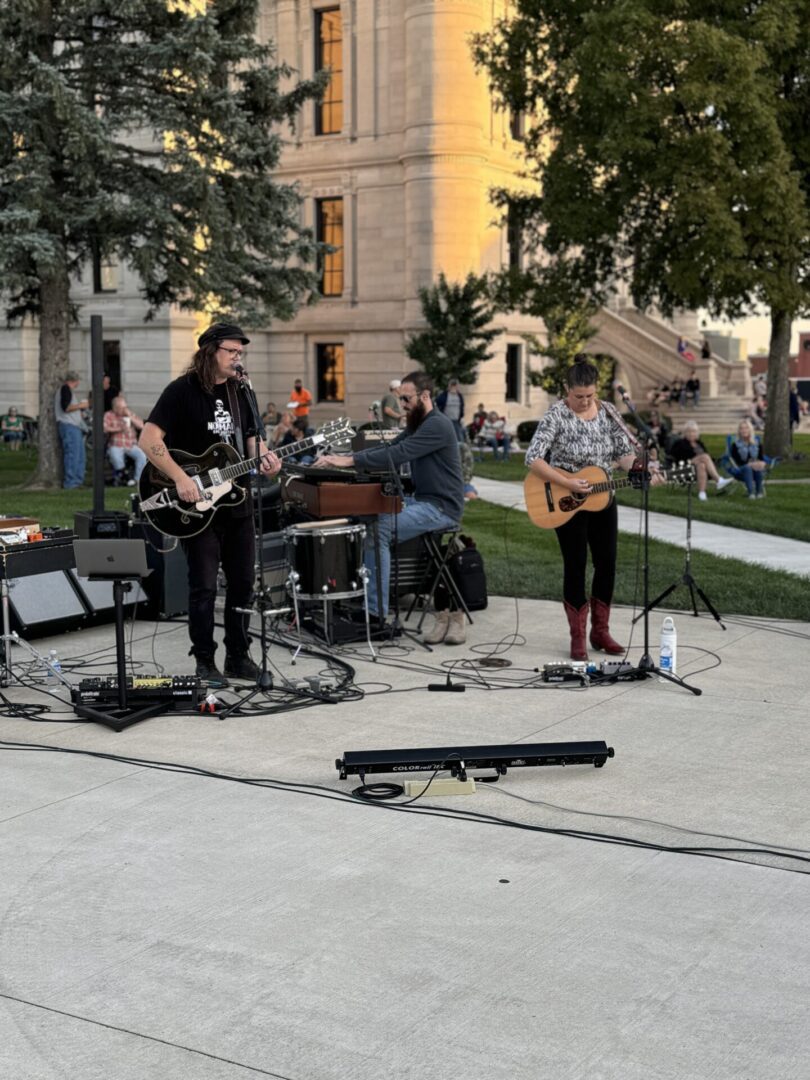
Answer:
(597, 530)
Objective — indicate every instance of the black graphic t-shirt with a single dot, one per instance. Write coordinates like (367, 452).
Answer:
(193, 419)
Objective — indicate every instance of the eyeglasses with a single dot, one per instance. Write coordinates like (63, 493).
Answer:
(233, 352)
(405, 398)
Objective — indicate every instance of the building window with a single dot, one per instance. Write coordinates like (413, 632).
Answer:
(517, 125)
(331, 366)
(513, 372)
(105, 273)
(329, 54)
(329, 230)
(513, 238)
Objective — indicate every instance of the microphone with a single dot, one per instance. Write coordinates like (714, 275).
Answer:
(242, 375)
(620, 390)
(375, 407)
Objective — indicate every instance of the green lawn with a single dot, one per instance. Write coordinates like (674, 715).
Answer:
(784, 512)
(47, 507)
(522, 560)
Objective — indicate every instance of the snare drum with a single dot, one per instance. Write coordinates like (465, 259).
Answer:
(326, 556)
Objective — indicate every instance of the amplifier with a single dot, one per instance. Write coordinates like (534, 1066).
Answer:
(183, 691)
(101, 525)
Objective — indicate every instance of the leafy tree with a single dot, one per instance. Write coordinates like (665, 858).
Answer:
(458, 334)
(146, 131)
(671, 148)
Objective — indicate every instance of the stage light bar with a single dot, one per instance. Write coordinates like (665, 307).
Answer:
(458, 759)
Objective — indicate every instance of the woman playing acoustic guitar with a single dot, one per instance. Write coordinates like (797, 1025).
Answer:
(579, 431)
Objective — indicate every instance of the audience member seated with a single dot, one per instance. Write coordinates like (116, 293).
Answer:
(122, 428)
(299, 431)
(282, 428)
(756, 413)
(691, 391)
(494, 434)
(675, 392)
(13, 428)
(659, 395)
(690, 448)
(479, 416)
(746, 459)
(661, 428)
(685, 351)
(271, 416)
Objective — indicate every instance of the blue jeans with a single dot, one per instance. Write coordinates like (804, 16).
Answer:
(752, 478)
(117, 454)
(73, 460)
(418, 516)
(504, 445)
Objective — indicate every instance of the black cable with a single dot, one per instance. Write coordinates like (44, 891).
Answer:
(469, 816)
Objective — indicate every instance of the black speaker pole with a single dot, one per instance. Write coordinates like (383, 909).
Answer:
(97, 369)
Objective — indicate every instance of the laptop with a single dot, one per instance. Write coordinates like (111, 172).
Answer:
(111, 558)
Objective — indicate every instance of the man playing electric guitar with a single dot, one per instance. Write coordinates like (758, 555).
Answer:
(577, 431)
(206, 405)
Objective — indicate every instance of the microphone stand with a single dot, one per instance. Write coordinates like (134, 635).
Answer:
(646, 668)
(264, 680)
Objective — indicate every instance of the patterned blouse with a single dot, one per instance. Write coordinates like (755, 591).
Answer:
(567, 442)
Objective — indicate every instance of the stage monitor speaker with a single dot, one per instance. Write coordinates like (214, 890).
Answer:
(167, 585)
(276, 567)
(98, 595)
(44, 604)
(104, 525)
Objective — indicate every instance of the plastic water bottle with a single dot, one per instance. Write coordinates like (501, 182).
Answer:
(54, 668)
(668, 655)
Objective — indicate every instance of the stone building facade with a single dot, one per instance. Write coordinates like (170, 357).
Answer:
(395, 169)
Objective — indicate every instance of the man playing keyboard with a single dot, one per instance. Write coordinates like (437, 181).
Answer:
(429, 445)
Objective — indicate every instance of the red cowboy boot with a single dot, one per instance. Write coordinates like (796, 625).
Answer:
(600, 634)
(577, 623)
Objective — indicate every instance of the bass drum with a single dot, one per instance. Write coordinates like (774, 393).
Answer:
(327, 557)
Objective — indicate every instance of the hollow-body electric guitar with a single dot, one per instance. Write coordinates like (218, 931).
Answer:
(214, 473)
(550, 504)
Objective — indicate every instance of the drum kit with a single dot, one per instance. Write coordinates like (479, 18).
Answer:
(326, 565)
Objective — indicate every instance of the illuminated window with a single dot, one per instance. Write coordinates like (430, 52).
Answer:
(331, 365)
(329, 54)
(329, 230)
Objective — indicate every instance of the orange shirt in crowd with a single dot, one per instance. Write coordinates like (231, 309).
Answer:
(303, 400)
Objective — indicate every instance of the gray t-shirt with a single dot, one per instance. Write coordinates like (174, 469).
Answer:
(390, 401)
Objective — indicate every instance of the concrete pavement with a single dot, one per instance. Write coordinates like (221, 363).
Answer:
(162, 924)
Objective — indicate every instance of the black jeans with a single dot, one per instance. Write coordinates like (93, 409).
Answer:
(228, 541)
(597, 530)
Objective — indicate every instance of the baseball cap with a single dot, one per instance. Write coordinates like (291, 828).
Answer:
(395, 384)
(222, 331)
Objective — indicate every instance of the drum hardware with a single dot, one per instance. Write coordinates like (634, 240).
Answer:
(294, 588)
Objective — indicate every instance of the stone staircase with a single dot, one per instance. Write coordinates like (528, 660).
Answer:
(716, 416)
(645, 348)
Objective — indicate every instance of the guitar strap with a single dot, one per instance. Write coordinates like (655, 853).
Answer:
(613, 413)
(236, 413)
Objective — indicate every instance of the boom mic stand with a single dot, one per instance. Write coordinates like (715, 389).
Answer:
(264, 680)
(646, 668)
(686, 577)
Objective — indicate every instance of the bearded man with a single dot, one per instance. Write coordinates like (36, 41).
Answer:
(429, 445)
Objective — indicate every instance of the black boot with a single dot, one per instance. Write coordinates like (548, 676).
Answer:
(208, 671)
(241, 667)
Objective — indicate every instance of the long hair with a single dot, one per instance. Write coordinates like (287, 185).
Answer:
(204, 366)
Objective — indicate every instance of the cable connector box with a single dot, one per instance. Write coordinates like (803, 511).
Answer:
(442, 785)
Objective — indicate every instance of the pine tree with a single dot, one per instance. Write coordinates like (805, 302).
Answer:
(146, 131)
(670, 148)
(458, 333)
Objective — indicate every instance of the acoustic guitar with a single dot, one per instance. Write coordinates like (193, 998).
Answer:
(551, 504)
(214, 473)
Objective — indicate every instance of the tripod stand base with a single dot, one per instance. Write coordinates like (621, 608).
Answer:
(120, 718)
(646, 669)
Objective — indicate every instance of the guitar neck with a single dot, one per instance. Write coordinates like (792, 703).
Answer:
(239, 468)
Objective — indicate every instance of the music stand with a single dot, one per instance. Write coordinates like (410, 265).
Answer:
(121, 562)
